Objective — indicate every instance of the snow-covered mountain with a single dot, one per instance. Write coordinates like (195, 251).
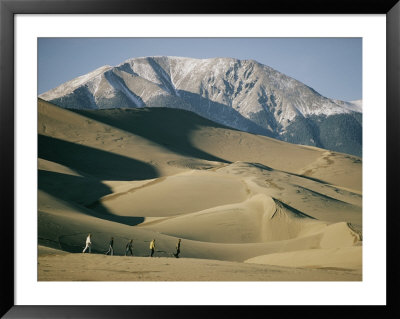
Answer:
(357, 105)
(242, 94)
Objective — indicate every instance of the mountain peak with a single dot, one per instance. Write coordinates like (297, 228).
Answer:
(243, 94)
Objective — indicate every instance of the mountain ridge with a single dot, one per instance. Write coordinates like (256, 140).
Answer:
(242, 94)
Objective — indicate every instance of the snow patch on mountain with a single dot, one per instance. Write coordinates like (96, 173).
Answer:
(119, 86)
(72, 85)
(357, 105)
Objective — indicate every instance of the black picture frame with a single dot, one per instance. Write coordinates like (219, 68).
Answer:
(8, 10)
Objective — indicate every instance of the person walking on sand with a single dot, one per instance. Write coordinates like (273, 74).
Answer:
(110, 248)
(152, 247)
(129, 248)
(178, 248)
(88, 244)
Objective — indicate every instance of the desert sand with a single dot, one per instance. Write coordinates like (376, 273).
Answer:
(247, 207)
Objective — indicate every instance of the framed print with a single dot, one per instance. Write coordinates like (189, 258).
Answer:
(166, 159)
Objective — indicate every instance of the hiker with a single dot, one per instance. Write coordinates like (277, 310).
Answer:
(111, 249)
(178, 248)
(88, 244)
(152, 247)
(128, 248)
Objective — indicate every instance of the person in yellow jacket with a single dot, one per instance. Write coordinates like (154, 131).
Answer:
(152, 247)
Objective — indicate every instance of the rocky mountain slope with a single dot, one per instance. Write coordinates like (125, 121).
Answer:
(242, 94)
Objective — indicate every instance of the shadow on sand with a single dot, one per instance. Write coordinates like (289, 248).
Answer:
(94, 162)
(82, 191)
(78, 189)
(170, 128)
(95, 165)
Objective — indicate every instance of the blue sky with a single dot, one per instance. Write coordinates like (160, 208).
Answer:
(331, 66)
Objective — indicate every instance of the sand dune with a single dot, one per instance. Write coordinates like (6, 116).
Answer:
(333, 258)
(179, 194)
(240, 200)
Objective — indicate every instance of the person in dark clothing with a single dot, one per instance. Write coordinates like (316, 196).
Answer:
(110, 248)
(178, 248)
(128, 248)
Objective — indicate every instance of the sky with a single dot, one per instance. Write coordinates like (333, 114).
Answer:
(331, 66)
